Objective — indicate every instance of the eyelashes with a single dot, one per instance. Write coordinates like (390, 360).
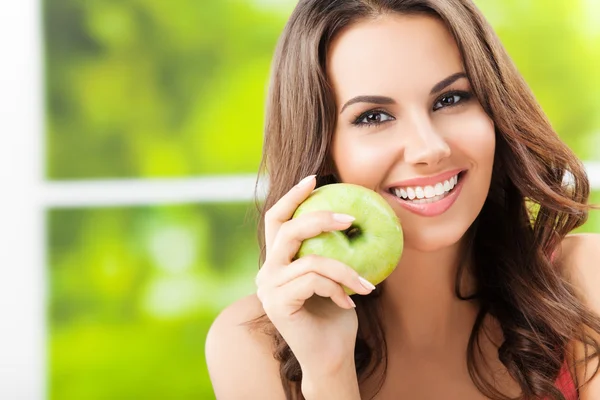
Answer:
(451, 98)
(372, 117)
(376, 117)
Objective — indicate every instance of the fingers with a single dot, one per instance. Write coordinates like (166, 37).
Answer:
(291, 233)
(284, 301)
(283, 210)
(329, 268)
(283, 291)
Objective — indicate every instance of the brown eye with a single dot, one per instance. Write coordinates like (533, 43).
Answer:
(372, 118)
(450, 99)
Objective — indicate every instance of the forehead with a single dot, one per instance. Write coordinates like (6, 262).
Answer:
(393, 53)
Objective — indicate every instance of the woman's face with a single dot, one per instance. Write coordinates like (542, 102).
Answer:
(408, 123)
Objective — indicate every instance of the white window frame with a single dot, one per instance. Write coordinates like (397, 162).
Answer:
(22, 243)
(25, 197)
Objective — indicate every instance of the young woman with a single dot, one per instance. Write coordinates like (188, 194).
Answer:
(491, 297)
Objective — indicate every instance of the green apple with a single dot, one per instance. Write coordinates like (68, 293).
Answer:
(372, 245)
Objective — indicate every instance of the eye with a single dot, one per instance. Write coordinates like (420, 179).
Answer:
(372, 117)
(451, 99)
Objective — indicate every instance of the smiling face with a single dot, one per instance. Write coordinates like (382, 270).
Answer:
(408, 122)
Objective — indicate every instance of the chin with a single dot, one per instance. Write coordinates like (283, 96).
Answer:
(434, 238)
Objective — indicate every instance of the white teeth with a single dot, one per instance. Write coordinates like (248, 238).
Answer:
(427, 192)
(419, 192)
(439, 189)
(432, 200)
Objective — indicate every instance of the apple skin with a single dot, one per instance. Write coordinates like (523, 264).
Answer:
(373, 244)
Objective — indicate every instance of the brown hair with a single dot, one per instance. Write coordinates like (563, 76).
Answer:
(518, 284)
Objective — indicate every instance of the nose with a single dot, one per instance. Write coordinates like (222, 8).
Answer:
(424, 145)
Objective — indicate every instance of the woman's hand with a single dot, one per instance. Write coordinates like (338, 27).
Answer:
(320, 330)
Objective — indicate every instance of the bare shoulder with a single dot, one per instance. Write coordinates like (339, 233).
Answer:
(581, 260)
(240, 359)
(580, 256)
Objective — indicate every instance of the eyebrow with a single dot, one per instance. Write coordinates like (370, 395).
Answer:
(438, 87)
(447, 82)
(369, 99)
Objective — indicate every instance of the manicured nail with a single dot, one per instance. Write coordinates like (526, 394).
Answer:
(343, 218)
(366, 284)
(350, 301)
(305, 181)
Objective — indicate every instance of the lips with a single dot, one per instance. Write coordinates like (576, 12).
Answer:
(425, 181)
(427, 192)
(434, 208)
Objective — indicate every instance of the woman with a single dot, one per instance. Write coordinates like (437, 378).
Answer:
(491, 298)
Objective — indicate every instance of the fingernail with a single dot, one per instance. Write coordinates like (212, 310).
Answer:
(305, 181)
(366, 284)
(351, 302)
(344, 218)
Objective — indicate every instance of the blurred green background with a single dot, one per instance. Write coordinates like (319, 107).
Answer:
(154, 88)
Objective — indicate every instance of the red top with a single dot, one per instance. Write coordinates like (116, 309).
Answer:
(565, 384)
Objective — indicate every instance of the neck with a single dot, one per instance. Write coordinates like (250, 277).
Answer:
(420, 304)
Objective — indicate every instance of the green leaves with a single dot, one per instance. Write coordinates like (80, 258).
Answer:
(148, 88)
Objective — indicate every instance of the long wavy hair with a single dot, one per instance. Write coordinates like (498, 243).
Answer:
(528, 211)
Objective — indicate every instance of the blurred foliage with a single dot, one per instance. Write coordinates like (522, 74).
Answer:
(149, 88)
(556, 46)
(155, 88)
(133, 293)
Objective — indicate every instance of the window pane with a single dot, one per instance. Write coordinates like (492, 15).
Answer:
(556, 50)
(133, 292)
(156, 88)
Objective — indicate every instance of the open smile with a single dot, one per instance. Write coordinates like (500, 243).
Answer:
(432, 200)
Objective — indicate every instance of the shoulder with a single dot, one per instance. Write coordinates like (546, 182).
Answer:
(580, 256)
(580, 259)
(581, 262)
(235, 353)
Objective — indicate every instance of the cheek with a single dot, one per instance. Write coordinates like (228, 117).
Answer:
(475, 137)
(476, 142)
(358, 161)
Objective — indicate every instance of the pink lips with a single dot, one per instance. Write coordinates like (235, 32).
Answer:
(436, 208)
(430, 180)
